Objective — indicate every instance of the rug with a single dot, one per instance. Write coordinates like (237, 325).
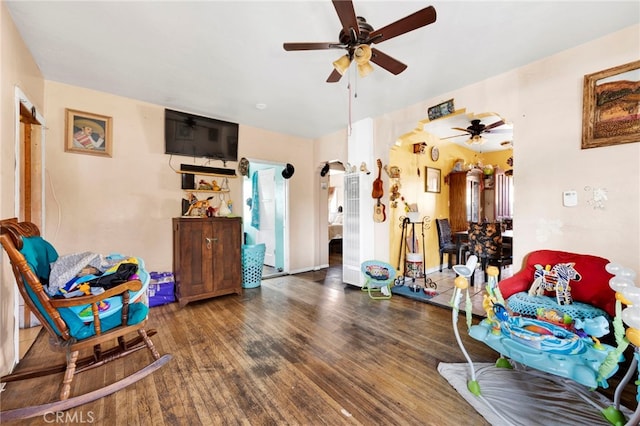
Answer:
(403, 290)
(527, 397)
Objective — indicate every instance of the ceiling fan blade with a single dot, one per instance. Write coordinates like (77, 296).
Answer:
(347, 15)
(498, 131)
(414, 21)
(456, 136)
(461, 129)
(387, 62)
(309, 46)
(334, 77)
(492, 125)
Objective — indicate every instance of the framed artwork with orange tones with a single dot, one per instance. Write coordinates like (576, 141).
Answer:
(610, 110)
(88, 133)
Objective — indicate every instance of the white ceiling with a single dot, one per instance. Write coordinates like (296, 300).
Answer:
(222, 58)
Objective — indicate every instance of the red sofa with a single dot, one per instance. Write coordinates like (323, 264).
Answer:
(592, 289)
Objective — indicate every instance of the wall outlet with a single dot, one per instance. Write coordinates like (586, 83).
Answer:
(570, 198)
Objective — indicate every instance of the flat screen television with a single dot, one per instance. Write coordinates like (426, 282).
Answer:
(191, 135)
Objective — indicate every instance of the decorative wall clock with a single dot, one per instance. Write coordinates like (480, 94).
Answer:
(435, 153)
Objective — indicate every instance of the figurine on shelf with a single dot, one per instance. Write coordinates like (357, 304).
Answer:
(223, 210)
(225, 184)
(215, 186)
(204, 185)
(198, 207)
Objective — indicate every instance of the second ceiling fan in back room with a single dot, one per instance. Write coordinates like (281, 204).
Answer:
(357, 36)
(476, 130)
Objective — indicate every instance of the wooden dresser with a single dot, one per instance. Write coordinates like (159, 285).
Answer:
(207, 257)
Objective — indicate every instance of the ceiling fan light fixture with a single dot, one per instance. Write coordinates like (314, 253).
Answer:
(475, 140)
(362, 54)
(364, 69)
(342, 64)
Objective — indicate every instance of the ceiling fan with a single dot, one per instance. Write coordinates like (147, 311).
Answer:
(476, 130)
(357, 36)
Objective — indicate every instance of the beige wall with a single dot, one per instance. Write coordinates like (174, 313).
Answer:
(303, 193)
(125, 203)
(17, 68)
(544, 101)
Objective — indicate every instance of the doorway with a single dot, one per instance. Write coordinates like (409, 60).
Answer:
(265, 210)
(29, 190)
(335, 205)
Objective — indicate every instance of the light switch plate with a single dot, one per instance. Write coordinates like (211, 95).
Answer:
(570, 198)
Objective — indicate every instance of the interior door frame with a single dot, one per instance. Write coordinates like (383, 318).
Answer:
(22, 103)
(284, 192)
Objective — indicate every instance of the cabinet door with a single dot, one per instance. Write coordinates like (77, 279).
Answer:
(226, 262)
(458, 201)
(195, 257)
(473, 199)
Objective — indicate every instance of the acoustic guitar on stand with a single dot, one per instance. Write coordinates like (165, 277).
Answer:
(377, 193)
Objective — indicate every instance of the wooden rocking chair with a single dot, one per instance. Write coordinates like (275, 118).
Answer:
(30, 256)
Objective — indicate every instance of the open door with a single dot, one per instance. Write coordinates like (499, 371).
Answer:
(265, 214)
(335, 206)
(266, 233)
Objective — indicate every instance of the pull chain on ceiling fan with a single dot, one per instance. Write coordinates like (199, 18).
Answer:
(357, 36)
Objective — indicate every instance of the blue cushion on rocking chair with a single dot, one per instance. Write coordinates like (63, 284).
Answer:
(39, 254)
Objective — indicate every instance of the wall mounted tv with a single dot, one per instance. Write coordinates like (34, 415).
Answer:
(195, 136)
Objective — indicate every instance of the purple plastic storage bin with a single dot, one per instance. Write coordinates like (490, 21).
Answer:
(161, 288)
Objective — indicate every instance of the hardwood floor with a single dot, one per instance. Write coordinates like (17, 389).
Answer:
(299, 350)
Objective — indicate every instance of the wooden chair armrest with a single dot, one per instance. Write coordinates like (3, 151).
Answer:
(133, 285)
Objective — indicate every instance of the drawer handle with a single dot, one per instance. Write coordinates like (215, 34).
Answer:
(210, 240)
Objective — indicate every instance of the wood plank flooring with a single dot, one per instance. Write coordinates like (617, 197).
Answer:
(299, 350)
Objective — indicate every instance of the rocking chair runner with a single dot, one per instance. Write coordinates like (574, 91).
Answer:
(30, 256)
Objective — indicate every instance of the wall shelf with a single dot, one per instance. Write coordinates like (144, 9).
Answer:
(222, 191)
(182, 172)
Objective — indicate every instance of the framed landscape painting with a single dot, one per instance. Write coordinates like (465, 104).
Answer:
(611, 111)
(88, 133)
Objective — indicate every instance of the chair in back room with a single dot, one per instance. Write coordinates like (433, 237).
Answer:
(446, 243)
(485, 241)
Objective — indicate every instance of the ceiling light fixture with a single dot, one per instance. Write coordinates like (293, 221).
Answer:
(362, 56)
(475, 140)
(342, 64)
